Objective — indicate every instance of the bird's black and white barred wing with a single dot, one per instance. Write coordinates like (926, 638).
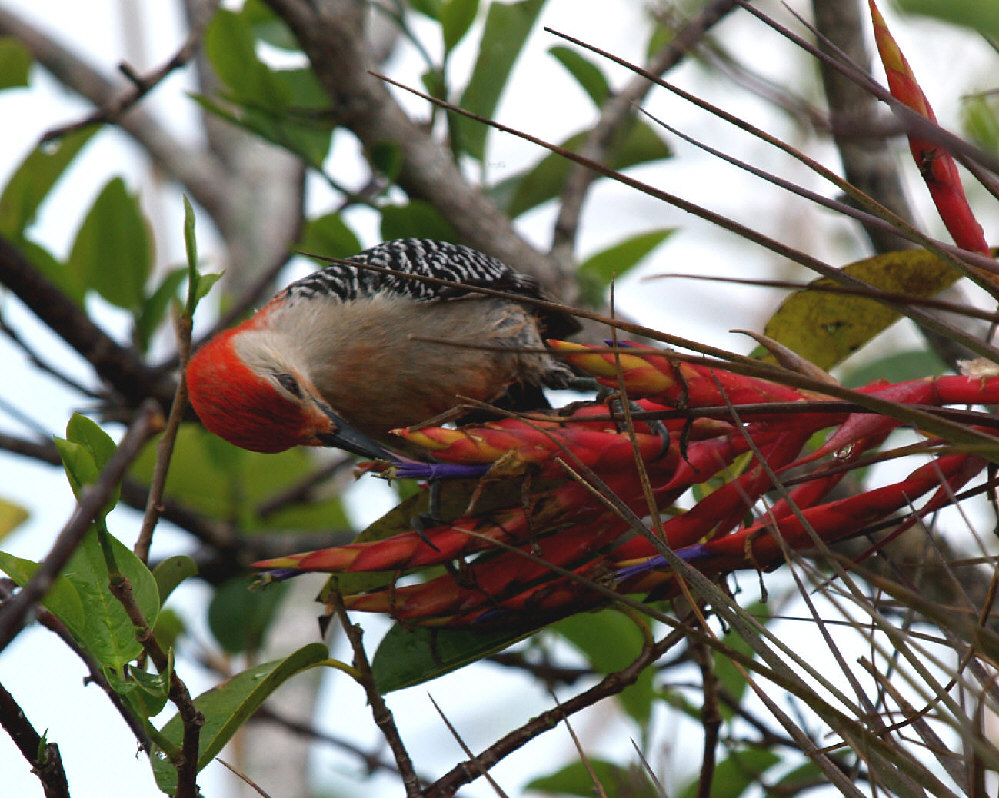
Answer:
(416, 256)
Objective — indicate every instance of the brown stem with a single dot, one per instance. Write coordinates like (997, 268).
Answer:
(612, 684)
(92, 500)
(164, 449)
(379, 710)
(191, 717)
(120, 366)
(44, 757)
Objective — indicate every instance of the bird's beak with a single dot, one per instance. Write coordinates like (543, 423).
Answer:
(349, 439)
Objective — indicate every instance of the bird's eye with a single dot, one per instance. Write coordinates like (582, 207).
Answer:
(289, 383)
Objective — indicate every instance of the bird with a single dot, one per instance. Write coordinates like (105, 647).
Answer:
(341, 357)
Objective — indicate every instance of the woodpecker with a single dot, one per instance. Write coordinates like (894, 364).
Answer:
(333, 359)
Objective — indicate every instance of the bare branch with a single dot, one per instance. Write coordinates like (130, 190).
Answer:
(112, 110)
(120, 366)
(332, 36)
(610, 685)
(201, 175)
(44, 757)
(613, 116)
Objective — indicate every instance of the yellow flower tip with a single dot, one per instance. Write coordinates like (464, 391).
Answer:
(426, 437)
(565, 346)
(277, 562)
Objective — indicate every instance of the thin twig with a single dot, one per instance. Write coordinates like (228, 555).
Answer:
(43, 756)
(468, 751)
(710, 718)
(371, 759)
(92, 500)
(615, 113)
(612, 684)
(164, 449)
(598, 788)
(191, 717)
(379, 710)
(141, 85)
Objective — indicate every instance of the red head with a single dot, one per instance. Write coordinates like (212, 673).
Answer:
(246, 392)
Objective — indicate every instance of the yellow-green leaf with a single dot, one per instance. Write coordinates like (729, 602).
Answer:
(826, 328)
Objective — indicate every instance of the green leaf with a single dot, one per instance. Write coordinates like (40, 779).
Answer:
(587, 74)
(168, 628)
(575, 779)
(34, 178)
(15, 63)
(113, 252)
(456, 17)
(85, 451)
(914, 364)
(198, 284)
(408, 656)
(826, 328)
(81, 599)
(386, 157)
(268, 27)
(239, 615)
(145, 692)
(735, 774)
(429, 8)
(227, 483)
(615, 261)
(231, 47)
(284, 106)
(506, 30)
(11, 517)
(728, 675)
(329, 235)
(148, 317)
(979, 15)
(981, 122)
(171, 572)
(62, 599)
(88, 433)
(520, 193)
(227, 707)
(611, 641)
(416, 219)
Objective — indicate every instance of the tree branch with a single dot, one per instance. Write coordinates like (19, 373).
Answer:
(201, 175)
(118, 365)
(615, 113)
(332, 35)
(92, 500)
(611, 684)
(44, 757)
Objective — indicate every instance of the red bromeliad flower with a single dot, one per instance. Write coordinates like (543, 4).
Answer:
(573, 532)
